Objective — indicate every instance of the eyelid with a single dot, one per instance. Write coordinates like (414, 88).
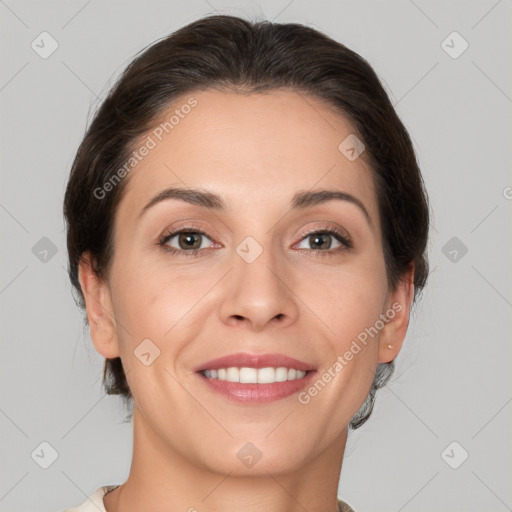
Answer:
(173, 234)
(339, 232)
(175, 230)
(185, 225)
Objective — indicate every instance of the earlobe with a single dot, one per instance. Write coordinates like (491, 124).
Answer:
(98, 304)
(393, 334)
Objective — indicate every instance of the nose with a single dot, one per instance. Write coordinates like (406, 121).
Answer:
(258, 294)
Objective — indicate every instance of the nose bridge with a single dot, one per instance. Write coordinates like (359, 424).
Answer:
(257, 293)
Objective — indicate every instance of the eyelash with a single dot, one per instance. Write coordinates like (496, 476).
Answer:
(346, 242)
(172, 250)
(344, 239)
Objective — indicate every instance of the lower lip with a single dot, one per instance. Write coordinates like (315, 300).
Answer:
(257, 393)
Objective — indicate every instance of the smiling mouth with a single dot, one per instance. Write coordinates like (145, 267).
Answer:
(253, 386)
(247, 375)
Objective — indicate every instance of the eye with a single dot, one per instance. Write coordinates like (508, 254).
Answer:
(325, 240)
(186, 240)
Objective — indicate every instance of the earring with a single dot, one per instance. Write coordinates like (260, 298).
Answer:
(390, 347)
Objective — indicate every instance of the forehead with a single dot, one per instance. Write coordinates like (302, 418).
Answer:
(249, 148)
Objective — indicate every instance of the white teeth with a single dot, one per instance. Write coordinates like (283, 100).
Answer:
(233, 374)
(247, 375)
(266, 375)
(281, 374)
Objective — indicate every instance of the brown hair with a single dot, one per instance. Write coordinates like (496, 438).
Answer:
(233, 54)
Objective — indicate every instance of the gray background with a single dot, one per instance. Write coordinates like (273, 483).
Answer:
(453, 380)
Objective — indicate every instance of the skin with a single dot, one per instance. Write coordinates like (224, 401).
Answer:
(255, 151)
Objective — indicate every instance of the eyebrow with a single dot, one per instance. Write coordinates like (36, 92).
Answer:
(189, 195)
(301, 200)
(308, 199)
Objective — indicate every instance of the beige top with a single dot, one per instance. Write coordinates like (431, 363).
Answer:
(94, 502)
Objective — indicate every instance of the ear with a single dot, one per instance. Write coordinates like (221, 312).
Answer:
(98, 304)
(397, 312)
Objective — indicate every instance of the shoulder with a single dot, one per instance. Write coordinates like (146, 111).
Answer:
(345, 507)
(94, 502)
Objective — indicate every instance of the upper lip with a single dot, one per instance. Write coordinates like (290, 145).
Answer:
(243, 359)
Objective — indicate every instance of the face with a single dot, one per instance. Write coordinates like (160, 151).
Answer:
(265, 249)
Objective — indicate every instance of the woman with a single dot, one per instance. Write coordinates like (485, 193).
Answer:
(247, 227)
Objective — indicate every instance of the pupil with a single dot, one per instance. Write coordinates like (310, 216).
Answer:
(190, 240)
(321, 241)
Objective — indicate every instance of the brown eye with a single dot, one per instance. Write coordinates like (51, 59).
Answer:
(187, 241)
(320, 241)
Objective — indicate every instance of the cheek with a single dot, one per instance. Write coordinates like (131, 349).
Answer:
(154, 325)
(352, 312)
(349, 300)
(157, 302)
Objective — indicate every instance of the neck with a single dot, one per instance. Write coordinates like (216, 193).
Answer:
(161, 479)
